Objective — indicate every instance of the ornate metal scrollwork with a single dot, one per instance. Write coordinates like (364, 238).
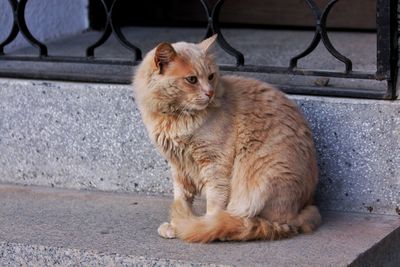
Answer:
(321, 33)
(213, 27)
(19, 25)
(110, 28)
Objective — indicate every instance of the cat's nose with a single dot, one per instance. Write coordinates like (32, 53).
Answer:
(210, 93)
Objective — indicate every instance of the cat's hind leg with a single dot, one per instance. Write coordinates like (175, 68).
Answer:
(249, 193)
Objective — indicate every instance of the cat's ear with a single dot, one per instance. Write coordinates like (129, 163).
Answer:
(207, 44)
(164, 54)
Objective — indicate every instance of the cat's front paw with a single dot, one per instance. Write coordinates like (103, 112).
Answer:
(166, 230)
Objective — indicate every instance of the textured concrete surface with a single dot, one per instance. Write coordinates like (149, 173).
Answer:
(78, 136)
(91, 136)
(358, 143)
(47, 20)
(16, 254)
(41, 226)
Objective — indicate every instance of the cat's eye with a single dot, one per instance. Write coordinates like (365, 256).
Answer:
(191, 79)
(211, 76)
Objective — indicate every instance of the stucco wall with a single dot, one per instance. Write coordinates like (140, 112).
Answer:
(47, 20)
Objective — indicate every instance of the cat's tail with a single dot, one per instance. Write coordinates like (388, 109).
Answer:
(225, 226)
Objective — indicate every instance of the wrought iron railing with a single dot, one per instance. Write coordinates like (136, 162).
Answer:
(386, 57)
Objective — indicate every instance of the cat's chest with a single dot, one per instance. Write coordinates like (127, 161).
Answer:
(174, 148)
(176, 138)
(191, 146)
(188, 152)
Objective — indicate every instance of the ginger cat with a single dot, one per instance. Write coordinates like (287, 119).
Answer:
(237, 140)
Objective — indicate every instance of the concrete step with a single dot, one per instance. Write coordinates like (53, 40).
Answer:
(45, 227)
(90, 136)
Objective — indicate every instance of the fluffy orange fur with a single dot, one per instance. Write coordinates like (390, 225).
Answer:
(239, 141)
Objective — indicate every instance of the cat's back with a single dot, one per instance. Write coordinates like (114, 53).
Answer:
(259, 98)
(266, 115)
(270, 125)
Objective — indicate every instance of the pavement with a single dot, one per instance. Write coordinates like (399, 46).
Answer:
(42, 226)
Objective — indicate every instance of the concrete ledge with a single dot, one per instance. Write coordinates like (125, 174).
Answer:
(42, 226)
(90, 136)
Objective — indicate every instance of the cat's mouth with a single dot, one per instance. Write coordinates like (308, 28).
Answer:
(203, 103)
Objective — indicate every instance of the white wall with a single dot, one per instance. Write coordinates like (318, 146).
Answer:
(46, 19)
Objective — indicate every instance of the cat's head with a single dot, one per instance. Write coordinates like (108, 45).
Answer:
(178, 77)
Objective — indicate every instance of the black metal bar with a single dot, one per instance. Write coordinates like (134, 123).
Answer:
(71, 59)
(65, 76)
(314, 43)
(387, 47)
(214, 28)
(327, 42)
(105, 35)
(14, 31)
(122, 40)
(25, 31)
(321, 34)
(336, 92)
(19, 25)
(103, 38)
(121, 37)
(298, 71)
(383, 38)
(112, 28)
(316, 39)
